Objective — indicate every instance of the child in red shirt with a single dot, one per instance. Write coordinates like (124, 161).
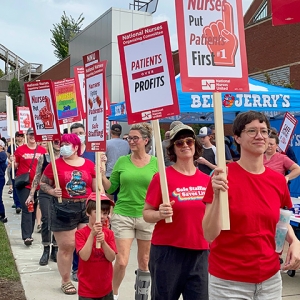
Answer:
(95, 268)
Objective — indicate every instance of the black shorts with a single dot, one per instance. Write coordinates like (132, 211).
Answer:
(178, 271)
(67, 215)
(107, 297)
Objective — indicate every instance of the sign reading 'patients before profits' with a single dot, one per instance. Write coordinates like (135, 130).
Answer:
(95, 107)
(148, 73)
(41, 102)
(211, 42)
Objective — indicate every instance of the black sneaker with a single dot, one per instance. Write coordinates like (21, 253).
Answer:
(18, 210)
(3, 219)
(13, 206)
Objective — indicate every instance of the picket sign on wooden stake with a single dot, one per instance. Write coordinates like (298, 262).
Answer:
(161, 166)
(220, 144)
(99, 189)
(54, 170)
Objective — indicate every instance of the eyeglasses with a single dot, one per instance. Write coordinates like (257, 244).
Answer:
(20, 135)
(253, 132)
(133, 138)
(180, 143)
(56, 142)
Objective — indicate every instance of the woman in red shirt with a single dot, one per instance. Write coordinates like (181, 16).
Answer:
(76, 177)
(25, 159)
(179, 252)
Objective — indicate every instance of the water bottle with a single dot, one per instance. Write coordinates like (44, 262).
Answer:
(282, 229)
(30, 207)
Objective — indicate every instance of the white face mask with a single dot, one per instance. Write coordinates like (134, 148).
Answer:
(82, 138)
(66, 151)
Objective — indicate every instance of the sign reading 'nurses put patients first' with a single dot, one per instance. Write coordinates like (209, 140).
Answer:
(211, 43)
(40, 97)
(148, 74)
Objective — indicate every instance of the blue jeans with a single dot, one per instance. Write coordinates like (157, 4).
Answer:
(270, 289)
(2, 208)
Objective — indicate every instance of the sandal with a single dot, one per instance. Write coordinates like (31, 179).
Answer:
(68, 288)
(28, 241)
(10, 191)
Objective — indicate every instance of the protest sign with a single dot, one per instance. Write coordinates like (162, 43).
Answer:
(211, 41)
(42, 107)
(3, 125)
(148, 73)
(285, 12)
(286, 132)
(66, 101)
(80, 90)
(24, 119)
(95, 107)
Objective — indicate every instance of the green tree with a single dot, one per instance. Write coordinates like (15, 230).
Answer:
(1, 73)
(14, 91)
(63, 32)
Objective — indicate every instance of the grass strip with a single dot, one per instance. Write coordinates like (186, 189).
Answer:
(8, 269)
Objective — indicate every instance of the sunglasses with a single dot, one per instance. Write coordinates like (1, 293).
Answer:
(180, 143)
(20, 135)
(56, 142)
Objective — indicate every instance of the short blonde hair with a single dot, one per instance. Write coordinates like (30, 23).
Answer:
(145, 130)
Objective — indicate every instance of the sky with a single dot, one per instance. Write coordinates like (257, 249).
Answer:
(25, 25)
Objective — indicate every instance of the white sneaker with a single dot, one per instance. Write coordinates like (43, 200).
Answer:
(116, 297)
(11, 196)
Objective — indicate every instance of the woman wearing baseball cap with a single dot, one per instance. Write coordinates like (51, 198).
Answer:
(179, 252)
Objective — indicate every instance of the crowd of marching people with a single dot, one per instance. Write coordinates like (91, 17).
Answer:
(181, 247)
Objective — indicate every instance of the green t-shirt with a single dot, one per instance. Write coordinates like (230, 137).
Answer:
(133, 182)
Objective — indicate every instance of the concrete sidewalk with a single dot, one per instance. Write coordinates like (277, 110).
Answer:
(43, 282)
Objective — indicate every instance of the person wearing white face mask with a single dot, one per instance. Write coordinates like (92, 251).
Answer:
(77, 179)
(79, 130)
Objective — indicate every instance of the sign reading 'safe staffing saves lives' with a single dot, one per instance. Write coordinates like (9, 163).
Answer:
(95, 106)
(148, 74)
(211, 42)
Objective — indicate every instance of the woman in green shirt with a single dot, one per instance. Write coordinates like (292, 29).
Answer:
(132, 174)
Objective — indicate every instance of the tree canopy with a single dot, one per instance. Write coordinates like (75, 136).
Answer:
(64, 31)
(14, 91)
(1, 73)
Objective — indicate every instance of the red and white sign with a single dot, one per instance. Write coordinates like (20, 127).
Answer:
(288, 126)
(95, 107)
(285, 12)
(88, 60)
(80, 90)
(3, 125)
(148, 73)
(41, 100)
(24, 119)
(211, 41)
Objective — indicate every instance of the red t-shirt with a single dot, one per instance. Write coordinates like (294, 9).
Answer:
(75, 182)
(279, 162)
(246, 252)
(95, 274)
(24, 156)
(188, 210)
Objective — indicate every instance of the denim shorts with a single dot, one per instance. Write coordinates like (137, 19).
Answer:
(69, 216)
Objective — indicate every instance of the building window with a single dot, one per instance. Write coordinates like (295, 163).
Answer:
(262, 12)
